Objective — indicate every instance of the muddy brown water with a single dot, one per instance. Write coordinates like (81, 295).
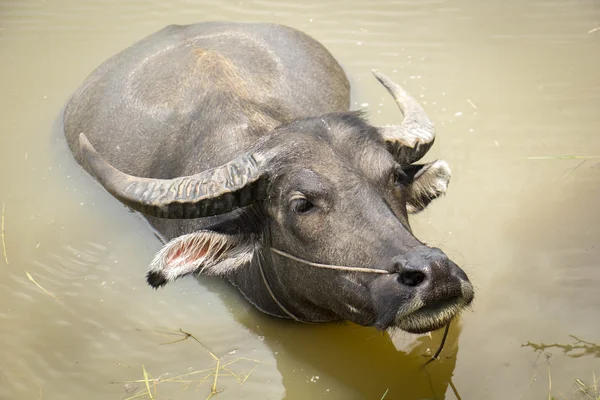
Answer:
(503, 81)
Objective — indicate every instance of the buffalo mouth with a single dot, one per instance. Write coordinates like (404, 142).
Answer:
(433, 316)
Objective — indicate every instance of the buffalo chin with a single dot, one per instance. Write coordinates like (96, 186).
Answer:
(431, 317)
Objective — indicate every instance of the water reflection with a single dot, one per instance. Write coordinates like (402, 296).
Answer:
(578, 348)
(528, 229)
(347, 361)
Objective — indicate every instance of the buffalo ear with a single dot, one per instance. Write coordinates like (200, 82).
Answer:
(429, 181)
(203, 252)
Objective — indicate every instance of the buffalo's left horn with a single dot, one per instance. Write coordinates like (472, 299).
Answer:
(235, 184)
(409, 141)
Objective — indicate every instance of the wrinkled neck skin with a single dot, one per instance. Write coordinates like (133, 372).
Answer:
(267, 293)
(273, 283)
(263, 292)
(260, 282)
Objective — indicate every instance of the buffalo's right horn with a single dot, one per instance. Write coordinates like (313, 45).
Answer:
(409, 141)
(215, 191)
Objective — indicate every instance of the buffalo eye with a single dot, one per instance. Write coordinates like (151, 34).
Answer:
(399, 177)
(302, 205)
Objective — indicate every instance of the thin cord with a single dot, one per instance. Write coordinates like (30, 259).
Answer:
(285, 310)
(439, 350)
(328, 266)
(312, 264)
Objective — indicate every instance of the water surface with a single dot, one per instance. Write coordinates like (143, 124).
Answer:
(502, 80)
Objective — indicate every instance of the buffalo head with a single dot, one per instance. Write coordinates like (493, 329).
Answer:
(315, 221)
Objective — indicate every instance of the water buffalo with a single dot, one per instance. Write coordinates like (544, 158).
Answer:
(237, 144)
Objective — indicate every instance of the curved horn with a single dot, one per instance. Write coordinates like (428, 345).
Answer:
(214, 191)
(409, 141)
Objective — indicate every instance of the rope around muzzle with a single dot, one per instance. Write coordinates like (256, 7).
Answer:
(330, 266)
(312, 264)
(336, 268)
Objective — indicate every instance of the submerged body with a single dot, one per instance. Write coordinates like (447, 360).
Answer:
(237, 144)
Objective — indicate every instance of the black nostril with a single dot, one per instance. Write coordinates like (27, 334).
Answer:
(411, 278)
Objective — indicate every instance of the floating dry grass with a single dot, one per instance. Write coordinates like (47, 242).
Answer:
(147, 382)
(471, 104)
(40, 286)
(591, 392)
(3, 240)
(580, 389)
(580, 348)
(221, 369)
(549, 382)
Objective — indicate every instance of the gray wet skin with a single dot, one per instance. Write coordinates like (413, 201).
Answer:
(237, 144)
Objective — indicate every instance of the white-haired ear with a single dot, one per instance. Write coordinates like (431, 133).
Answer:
(203, 252)
(430, 181)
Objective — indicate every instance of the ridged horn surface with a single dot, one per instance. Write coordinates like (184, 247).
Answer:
(215, 191)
